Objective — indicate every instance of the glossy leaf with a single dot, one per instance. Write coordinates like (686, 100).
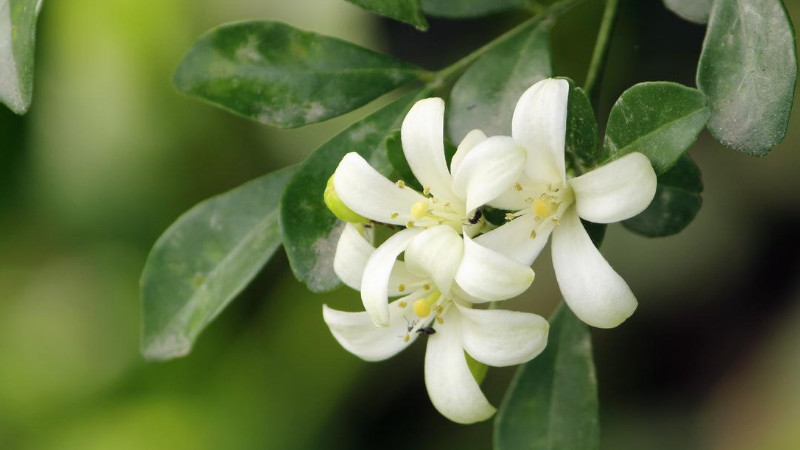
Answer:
(582, 140)
(408, 11)
(461, 9)
(748, 69)
(659, 119)
(278, 75)
(696, 11)
(310, 231)
(485, 95)
(675, 205)
(551, 403)
(204, 260)
(17, 44)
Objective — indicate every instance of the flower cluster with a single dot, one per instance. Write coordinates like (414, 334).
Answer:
(454, 261)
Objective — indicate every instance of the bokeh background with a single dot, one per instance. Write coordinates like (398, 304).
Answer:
(110, 154)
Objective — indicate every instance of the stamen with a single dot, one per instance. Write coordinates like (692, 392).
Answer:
(406, 337)
(518, 187)
(543, 207)
(419, 209)
(439, 319)
(426, 286)
(426, 191)
(401, 287)
(401, 184)
(533, 234)
(402, 304)
(394, 215)
(410, 224)
(510, 216)
(422, 307)
(528, 199)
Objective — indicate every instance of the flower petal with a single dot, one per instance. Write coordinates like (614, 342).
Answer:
(502, 338)
(436, 252)
(540, 125)
(372, 195)
(616, 191)
(375, 282)
(513, 239)
(490, 169)
(422, 134)
(591, 288)
(401, 281)
(451, 386)
(359, 336)
(469, 142)
(352, 253)
(489, 275)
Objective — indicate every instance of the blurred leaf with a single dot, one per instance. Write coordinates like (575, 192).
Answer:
(675, 205)
(485, 96)
(582, 140)
(659, 119)
(551, 403)
(408, 11)
(692, 10)
(394, 151)
(17, 44)
(310, 231)
(460, 9)
(747, 69)
(278, 75)
(204, 259)
(596, 231)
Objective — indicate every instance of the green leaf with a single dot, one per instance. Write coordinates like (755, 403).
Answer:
(204, 259)
(582, 141)
(675, 205)
(462, 9)
(310, 231)
(17, 44)
(659, 119)
(696, 11)
(551, 403)
(408, 11)
(748, 69)
(485, 96)
(278, 75)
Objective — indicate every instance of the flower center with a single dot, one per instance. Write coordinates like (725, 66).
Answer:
(435, 211)
(548, 204)
(425, 302)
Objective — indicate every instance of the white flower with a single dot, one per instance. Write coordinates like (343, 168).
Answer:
(493, 337)
(435, 218)
(544, 201)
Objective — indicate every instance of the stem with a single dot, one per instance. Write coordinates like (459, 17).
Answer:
(597, 65)
(444, 75)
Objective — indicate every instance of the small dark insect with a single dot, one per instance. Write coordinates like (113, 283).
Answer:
(476, 217)
(426, 330)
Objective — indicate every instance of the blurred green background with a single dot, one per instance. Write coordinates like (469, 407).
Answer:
(110, 155)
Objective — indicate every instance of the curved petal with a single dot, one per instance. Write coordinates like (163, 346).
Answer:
(401, 281)
(491, 276)
(451, 386)
(591, 288)
(514, 240)
(352, 253)
(436, 252)
(616, 191)
(540, 125)
(372, 195)
(502, 338)
(359, 336)
(515, 199)
(375, 282)
(469, 142)
(422, 134)
(490, 169)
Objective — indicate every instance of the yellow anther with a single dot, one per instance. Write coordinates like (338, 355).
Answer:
(439, 319)
(533, 234)
(406, 337)
(410, 224)
(394, 215)
(543, 207)
(421, 308)
(447, 205)
(426, 286)
(401, 287)
(337, 206)
(518, 187)
(419, 209)
(510, 216)
(402, 304)
(401, 184)
(426, 191)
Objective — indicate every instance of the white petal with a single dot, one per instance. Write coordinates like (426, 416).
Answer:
(352, 253)
(491, 276)
(514, 200)
(372, 195)
(540, 125)
(375, 282)
(402, 277)
(422, 134)
(616, 191)
(502, 338)
(591, 288)
(359, 336)
(513, 239)
(490, 169)
(451, 386)
(436, 252)
(469, 142)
